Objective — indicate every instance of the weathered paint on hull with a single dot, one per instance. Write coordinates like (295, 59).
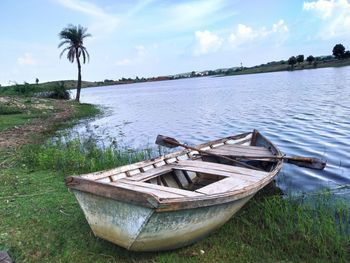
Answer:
(142, 229)
(169, 230)
(117, 222)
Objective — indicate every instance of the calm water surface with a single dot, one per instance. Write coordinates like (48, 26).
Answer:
(302, 112)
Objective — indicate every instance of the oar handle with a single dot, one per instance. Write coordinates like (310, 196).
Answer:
(307, 162)
(301, 159)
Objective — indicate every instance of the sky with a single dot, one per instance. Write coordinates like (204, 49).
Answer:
(163, 37)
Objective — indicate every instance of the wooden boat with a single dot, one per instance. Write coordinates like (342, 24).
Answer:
(176, 199)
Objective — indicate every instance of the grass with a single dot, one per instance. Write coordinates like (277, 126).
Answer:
(16, 111)
(42, 222)
(12, 115)
(84, 110)
(7, 110)
(78, 156)
(9, 121)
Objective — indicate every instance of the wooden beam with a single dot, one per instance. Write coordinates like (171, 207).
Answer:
(112, 191)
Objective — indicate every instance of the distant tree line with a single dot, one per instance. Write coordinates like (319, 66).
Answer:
(338, 52)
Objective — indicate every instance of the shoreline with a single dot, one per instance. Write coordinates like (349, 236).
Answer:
(284, 67)
(264, 68)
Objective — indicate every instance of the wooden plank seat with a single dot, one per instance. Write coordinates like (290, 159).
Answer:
(220, 169)
(152, 173)
(224, 185)
(157, 190)
(241, 150)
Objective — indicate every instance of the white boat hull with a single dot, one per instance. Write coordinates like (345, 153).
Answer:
(138, 228)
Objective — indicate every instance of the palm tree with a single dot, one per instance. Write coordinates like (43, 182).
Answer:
(73, 37)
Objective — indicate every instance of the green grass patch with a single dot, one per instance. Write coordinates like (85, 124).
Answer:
(85, 110)
(42, 222)
(16, 111)
(13, 120)
(9, 121)
(7, 110)
(78, 156)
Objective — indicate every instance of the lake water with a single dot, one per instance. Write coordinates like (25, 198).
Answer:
(302, 112)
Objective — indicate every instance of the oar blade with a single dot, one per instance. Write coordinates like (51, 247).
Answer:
(166, 141)
(311, 163)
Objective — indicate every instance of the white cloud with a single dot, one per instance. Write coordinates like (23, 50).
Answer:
(244, 34)
(324, 7)
(27, 59)
(280, 27)
(207, 42)
(210, 42)
(103, 23)
(334, 13)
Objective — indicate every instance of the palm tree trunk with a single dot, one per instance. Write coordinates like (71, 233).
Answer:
(77, 98)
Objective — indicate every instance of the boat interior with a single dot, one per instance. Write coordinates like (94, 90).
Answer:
(189, 173)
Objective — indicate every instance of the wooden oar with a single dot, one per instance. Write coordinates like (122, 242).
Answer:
(171, 143)
(307, 162)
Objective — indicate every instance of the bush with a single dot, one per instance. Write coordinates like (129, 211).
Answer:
(24, 89)
(60, 92)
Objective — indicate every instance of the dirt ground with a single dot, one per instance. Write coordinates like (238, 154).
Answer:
(56, 111)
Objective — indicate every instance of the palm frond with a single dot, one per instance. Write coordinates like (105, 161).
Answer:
(63, 43)
(73, 37)
(71, 55)
(85, 54)
(64, 50)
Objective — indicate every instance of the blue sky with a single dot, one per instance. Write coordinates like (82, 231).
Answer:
(153, 38)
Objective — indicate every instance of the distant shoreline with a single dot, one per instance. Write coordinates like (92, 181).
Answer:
(267, 68)
(264, 68)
